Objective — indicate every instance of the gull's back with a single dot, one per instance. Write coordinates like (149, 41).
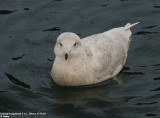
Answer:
(108, 51)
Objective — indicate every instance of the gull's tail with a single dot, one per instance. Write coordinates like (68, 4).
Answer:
(129, 25)
(127, 29)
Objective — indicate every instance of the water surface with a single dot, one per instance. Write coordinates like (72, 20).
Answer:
(28, 31)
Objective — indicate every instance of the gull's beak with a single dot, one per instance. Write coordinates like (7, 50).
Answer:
(66, 56)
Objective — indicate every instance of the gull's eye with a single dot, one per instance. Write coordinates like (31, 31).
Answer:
(60, 44)
(75, 44)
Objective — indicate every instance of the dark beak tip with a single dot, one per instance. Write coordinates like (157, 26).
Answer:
(66, 56)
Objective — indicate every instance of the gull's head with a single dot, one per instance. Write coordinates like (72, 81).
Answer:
(68, 46)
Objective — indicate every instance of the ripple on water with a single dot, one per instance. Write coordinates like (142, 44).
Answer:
(16, 81)
(156, 89)
(149, 27)
(123, 0)
(3, 91)
(4, 12)
(19, 57)
(157, 78)
(53, 29)
(127, 99)
(145, 33)
(26, 9)
(103, 5)
(156, 65)
(150, 103)
(134, 73)
(156, 6)
(150, 114)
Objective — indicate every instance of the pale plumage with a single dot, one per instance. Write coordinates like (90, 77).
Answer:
(92, 59)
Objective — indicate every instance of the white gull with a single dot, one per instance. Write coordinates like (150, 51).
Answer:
(92, 59)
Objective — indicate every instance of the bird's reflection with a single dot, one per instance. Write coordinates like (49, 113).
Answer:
(77, 94)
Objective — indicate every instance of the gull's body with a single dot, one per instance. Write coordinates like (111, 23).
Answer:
(92, 59)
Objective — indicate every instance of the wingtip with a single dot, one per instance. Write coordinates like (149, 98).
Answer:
(128, 25)
(135, 23)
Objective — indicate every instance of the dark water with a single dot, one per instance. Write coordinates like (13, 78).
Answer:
(28, 31)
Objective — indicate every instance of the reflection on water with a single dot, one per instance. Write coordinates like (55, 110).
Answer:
(28, 32)
(120, 82)
(98, 91)
(75, 95)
